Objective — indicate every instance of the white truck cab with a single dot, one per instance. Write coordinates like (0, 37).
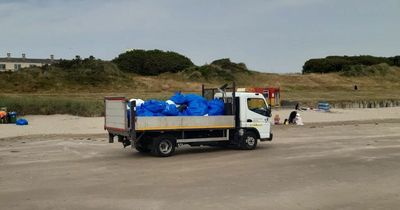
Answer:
(246, 120)
(254, 112)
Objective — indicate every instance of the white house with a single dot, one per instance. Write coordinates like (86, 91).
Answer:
(13, 64)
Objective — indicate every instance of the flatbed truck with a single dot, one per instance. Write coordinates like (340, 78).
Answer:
(246, 120)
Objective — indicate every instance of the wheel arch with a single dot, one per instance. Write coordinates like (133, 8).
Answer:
(149, 137)
(253, 130)
(170, 136)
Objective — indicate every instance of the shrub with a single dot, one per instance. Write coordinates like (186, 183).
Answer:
(226, 63)
(363, 70)
(76, 73)
(346, 63)
(222, 69)
(152, 62)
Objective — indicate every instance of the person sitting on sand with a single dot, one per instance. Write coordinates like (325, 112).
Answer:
(298, 120)
(292, 116)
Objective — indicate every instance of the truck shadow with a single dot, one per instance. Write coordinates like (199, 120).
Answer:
(203, 150)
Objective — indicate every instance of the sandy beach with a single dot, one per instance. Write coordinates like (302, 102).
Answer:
(67, 124)
(343, 115)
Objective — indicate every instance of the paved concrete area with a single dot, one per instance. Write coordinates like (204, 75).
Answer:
(355, 166)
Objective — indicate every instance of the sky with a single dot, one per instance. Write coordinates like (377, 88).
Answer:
(268, 35)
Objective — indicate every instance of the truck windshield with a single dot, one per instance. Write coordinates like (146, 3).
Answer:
(257, 105)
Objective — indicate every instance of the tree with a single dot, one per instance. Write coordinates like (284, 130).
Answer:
(345, 63)
(152, 62)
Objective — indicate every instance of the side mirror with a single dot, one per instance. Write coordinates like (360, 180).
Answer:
(268, 112)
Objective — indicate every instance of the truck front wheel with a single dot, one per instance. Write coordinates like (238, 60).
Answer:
(249, 141)
(163, 146)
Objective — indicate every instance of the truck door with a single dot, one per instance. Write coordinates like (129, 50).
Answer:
(257, 116)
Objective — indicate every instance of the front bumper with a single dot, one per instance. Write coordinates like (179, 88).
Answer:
(271, 135)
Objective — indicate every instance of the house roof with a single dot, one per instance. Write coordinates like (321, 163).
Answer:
(28, 60)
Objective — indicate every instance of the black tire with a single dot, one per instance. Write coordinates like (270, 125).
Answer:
(142, 148)
(121, 138)
(163, 146)
(249, 141)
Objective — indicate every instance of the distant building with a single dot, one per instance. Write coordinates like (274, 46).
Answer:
(13, 64)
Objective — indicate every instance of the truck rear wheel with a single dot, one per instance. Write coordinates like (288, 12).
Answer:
(249, 141)
(163, 146)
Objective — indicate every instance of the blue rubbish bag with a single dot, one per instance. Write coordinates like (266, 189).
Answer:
(21, 122)
(182, 113)
(178, 98)
(215, 107)
(159, 114)
(170, 110)
(154, 106)
(189, 98)
(197, 108)
(143, 112)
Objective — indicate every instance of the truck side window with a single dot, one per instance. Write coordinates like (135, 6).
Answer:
(257, 105)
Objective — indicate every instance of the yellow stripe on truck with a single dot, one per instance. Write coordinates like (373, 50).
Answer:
(182, 127)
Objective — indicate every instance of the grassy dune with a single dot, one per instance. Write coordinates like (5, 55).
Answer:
(330, 87)
(48, 92)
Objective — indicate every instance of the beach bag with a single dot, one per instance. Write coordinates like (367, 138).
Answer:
(21, 122)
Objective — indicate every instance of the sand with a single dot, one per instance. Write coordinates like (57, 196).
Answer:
(66, 162)
(67, 124)
(54, 124)
(343, 115)
(304, 167)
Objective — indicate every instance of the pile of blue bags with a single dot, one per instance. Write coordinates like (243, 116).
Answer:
(181, 105)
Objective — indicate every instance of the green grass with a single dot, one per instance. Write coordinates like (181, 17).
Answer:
(46, 105)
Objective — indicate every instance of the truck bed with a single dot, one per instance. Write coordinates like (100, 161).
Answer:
(116, 120)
